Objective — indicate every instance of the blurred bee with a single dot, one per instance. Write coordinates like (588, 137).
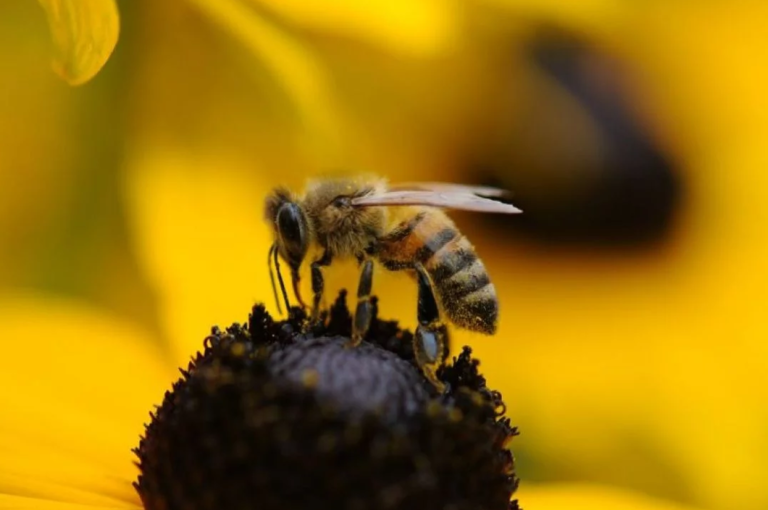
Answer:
(404, 229)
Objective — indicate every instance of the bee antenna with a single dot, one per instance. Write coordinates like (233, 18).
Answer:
(272, 249)
(280, 279)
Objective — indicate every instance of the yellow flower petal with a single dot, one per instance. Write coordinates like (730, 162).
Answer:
(292, 64)
(75, 389)
(418, 28)
(197, 223)
(588, 497)
(656, 361)
(12, 502)
(84, 32)
(594, 16)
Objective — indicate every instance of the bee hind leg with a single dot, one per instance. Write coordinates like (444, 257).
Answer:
(364, 310)
(430, 343)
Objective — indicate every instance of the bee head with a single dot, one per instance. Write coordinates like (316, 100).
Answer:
(291, 228)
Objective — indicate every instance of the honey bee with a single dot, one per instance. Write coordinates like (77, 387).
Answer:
(404, 228)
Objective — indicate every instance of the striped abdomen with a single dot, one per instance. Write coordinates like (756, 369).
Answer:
(459, 278)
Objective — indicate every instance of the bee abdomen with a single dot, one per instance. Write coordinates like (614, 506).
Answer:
(467, 295)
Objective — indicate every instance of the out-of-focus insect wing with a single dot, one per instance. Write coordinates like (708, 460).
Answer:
(446, 199)
(483, 191)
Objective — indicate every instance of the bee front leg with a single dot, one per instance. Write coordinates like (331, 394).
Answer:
(318, 283)
(430, 343)
(364, 311)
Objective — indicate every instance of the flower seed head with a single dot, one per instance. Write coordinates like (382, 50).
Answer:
(269, 416)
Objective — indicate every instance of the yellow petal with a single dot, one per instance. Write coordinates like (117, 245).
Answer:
(197, 223)
(84, 32)
(12, 502)
(588, 497)
(292, 64)
(594, 16)
(656, 361)
(418, 28)
(75, 389)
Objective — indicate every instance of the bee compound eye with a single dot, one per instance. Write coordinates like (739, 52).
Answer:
(289, 223)
(292, 232)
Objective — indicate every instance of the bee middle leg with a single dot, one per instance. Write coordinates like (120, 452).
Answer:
(364, 310)
(430, 343)
(318, 284)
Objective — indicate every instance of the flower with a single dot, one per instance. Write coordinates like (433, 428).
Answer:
(627, 342)
(621, 348)
(78, 384)
(272, 417)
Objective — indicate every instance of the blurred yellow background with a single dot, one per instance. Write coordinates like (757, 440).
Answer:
(632, 348)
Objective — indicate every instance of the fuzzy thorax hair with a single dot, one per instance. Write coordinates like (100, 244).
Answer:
(333, 224)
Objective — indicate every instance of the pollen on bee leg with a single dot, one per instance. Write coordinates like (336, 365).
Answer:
(429, 346)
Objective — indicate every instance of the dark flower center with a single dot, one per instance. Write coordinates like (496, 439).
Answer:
(274, 416)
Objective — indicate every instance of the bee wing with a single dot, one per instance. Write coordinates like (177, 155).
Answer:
(483, 191)
(460, 200)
